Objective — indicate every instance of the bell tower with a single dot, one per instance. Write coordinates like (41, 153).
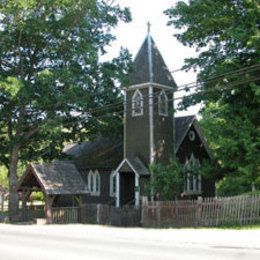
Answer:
(149, 107)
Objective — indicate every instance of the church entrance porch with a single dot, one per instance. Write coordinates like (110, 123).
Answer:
(128, 175)
(127, 188)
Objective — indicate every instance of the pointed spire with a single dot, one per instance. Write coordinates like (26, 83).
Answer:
(149, 65)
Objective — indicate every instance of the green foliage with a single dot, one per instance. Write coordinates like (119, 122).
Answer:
(37, 196)
(232, 185)
(167, 180)
(3, 177)
(51, 79)
(210, 170)
(226, 34)
(4, 174)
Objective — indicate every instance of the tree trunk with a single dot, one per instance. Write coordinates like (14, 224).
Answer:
(13, 181)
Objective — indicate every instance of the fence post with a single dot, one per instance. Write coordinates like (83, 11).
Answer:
(144, 212)
(48, 208)
(199, 211)
(158, 213)
(80, 208)
(98, 213)
(2, 201)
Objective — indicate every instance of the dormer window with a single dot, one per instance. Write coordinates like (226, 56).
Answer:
(163, 104)
(137, 104)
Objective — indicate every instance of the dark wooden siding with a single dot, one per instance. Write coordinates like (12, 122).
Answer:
(196, 147)
(137, 129)
(163, 130)
(188, 147)
(104, 196)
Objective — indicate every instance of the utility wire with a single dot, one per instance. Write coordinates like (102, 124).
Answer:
(184, 87)
(122, 111)
(114, 113)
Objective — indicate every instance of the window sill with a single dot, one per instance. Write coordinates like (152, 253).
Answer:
(135, 115)
(94, 194)
(187, 193)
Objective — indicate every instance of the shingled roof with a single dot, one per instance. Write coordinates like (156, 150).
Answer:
(149, 66)
(56, 178)
(132, 163)
(102, 153)
(182, 126)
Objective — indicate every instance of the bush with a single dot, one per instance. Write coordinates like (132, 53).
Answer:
(167, 180)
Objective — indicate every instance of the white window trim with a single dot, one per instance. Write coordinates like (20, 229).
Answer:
(137, 92)
(112, 178)
(194, 191)
(162, 93)
(96, 186)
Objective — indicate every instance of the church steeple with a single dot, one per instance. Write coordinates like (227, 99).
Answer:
(149, 66)
(149, 107)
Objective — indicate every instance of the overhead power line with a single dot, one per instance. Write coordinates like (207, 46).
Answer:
(117, 113)
(185, 87)
(226, 87)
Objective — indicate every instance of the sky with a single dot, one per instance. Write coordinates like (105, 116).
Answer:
(131, 35)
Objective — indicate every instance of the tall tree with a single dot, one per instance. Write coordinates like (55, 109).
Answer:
(51, 80)
(226, 35)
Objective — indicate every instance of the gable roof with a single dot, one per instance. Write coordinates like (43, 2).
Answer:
(182, 126)
(100, 153)
(56, 178)
(149, 66)
(135, 164)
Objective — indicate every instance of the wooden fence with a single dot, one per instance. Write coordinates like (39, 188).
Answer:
(207, 212)
(35, 212)
(239, 210)
(97, 214)
(66, 215)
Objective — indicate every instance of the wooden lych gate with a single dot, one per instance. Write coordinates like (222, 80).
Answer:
(58, 181)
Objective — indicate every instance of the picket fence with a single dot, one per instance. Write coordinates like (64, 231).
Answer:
(206, 212)
(97, 214)
(226, 211)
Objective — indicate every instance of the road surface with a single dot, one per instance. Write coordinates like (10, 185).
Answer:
(18, 242)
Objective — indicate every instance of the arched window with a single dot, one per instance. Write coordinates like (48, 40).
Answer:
(112, 184)
(94, 183)
(97, 182)
(91, 181)
(192, 178)
(137, 103)
(163, 104)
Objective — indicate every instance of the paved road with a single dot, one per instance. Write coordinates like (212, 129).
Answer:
(101, 242)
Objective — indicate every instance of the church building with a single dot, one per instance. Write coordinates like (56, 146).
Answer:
(115, 172)
(118, 171)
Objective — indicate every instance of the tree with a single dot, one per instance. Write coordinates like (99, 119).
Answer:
(51, 79)
(3, 177)
(226, 35)
(167, 180)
